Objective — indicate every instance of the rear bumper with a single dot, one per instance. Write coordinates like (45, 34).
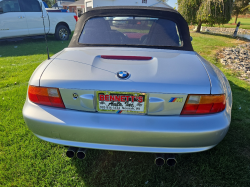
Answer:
(160, 134)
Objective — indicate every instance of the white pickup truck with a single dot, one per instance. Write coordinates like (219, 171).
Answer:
(24, 18)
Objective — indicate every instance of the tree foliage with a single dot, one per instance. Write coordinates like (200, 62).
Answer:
(206, 11)
(49, 2)
(239, 7)
(164, 1)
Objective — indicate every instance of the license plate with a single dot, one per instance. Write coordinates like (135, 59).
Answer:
(121, 102)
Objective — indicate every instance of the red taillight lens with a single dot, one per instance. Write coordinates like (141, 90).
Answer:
(204, 104)
(114, 57)
(45, 96)
(76, 18)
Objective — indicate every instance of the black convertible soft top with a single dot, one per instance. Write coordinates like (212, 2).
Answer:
(137, 11)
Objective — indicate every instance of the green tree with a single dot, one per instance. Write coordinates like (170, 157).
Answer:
(239, 7)
(49, 2)
(206, 11)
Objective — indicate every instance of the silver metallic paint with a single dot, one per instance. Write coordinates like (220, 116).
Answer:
(155, 105)
(35, 78)
(81, 103)
(158, 103)
(167, 107)
(169, 71)
(218, 83)
(87, 101)
(126, 148)
(163, 132)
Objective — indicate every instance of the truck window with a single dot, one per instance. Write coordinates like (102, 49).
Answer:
(30, 6)
(9, 6)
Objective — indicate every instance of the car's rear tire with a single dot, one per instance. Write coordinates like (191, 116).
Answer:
(62, 33)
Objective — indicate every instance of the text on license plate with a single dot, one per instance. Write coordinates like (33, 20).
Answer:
(118, 102)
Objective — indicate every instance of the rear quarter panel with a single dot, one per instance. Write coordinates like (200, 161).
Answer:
(219, 83)
(35, 78)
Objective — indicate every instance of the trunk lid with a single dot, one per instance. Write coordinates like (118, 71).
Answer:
(170, 74)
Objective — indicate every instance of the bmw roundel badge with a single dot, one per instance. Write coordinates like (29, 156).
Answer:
(123, 75)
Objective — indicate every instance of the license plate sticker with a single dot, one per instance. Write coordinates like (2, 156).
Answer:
(121, 102)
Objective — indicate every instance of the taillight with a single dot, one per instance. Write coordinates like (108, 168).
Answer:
(76, 18)
(45, 96)
(204, 104)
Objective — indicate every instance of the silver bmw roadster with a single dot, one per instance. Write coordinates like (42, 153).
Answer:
(129, 81)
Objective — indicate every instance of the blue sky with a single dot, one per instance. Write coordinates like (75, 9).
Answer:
(172, 3)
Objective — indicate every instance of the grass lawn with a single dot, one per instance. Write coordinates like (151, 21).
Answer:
(27, 161)
(245, 23)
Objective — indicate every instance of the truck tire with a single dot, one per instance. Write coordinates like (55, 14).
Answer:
(62, 33)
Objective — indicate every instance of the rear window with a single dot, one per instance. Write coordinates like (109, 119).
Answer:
(130, 31)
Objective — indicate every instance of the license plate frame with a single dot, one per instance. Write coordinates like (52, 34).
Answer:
(109, 106)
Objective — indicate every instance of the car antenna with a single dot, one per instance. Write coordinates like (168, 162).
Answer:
(45, 35)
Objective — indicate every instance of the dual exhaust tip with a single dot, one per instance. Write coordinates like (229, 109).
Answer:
(161, 159)
(80, 153)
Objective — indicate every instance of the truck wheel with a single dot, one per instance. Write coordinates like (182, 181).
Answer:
(62, 33)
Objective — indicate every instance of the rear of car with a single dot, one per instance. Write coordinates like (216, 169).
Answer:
(130, 81)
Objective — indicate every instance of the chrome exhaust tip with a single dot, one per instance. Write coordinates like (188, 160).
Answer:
(159, 159)
(81, 153)
(71, 152)
(170, 159)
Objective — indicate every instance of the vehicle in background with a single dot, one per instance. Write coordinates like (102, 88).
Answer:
(89, 4)
(53, 9)
(119, 21)
(25, 18)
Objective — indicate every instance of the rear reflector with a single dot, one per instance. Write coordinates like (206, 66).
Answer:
(45, 96)
(76, 18)
(204, 104)
(112, 57)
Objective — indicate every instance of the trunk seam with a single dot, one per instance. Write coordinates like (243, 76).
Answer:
(207, 73)
(48, 65)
